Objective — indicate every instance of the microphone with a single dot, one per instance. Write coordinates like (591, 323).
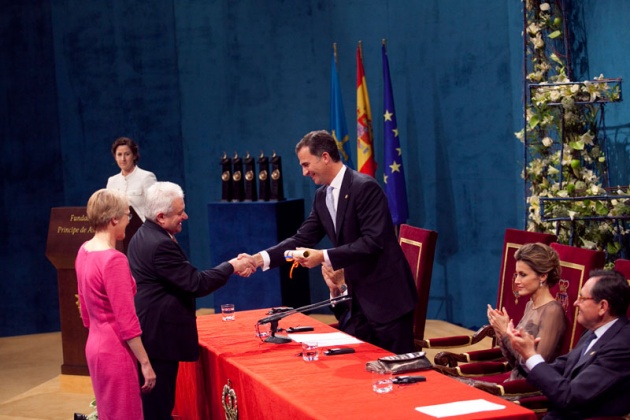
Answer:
(278, 316)
(274, 318)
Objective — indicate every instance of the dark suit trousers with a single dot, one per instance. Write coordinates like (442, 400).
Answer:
(159, 403)
(395, 336)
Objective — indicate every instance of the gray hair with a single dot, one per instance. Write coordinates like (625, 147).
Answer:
(160, 197)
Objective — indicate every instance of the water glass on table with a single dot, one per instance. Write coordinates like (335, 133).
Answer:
(227, 312)
(382, 381)
(310, 351)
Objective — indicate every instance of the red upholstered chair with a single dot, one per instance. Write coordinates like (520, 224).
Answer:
(418, 245)
(623, 266)
(512, 241)
(576, 265)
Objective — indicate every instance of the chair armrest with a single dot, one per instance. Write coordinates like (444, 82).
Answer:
(458, 340)
(515, 391)
(473, 370)
(447, 358)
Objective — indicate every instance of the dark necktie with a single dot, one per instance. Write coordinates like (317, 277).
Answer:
(587, 343)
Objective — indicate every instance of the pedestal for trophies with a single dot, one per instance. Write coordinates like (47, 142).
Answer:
(251, 227)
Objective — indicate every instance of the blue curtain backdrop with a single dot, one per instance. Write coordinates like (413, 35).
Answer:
(191, 80)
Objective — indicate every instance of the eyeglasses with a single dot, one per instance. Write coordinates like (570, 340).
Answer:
(582, 298)
(129, 215)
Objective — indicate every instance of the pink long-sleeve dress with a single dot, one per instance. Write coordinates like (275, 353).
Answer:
(106, 291)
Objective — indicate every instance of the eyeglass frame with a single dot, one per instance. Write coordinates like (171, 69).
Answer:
(581, 298)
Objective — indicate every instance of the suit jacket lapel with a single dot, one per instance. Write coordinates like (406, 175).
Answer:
(581, 357)
(344, 196)
(592, 353)
(325, 217)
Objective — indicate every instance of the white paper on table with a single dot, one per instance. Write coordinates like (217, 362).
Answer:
(459, 408)
(326, 339)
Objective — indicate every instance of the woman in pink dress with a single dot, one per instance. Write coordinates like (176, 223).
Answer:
(106, 291)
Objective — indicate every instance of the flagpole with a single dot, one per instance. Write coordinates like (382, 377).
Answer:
(361, 50)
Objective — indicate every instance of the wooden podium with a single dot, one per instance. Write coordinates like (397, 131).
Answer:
(67, 231)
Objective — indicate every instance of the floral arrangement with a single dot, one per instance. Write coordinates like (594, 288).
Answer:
(566, 166)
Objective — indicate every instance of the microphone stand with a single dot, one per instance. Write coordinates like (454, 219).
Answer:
(275, 318)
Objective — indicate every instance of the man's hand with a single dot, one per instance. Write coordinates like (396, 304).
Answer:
(244, 265)
(334, 279)
(315, 258)
(258, 259)
(522, 342)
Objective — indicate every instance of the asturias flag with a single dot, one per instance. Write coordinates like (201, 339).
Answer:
(394, 175)
(338, 124)
(365, 136)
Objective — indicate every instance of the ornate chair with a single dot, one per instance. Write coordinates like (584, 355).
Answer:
(512, 241)
(576, 265)
(623, 266)
(418, 245)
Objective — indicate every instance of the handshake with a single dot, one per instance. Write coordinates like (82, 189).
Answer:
(244, 265)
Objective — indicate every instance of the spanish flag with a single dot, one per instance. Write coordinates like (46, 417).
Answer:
(365, 136)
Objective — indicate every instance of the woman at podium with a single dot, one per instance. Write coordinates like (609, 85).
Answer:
(131, 180)
(106, 295)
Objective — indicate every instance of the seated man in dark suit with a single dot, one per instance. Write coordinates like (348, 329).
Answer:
(593, 379)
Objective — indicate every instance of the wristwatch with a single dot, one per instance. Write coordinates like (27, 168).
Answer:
(343, 288)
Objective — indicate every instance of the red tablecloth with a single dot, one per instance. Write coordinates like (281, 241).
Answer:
(271, 381)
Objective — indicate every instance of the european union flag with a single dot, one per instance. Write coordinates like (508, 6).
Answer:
(338, 125)
(394, 175)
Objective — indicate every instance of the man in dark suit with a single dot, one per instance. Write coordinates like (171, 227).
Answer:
(167, 285)
(593, 379)
(377, 274)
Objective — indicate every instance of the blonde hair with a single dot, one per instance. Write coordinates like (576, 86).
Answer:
(105, 205)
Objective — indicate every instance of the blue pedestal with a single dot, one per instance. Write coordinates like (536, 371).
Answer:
(251, 227)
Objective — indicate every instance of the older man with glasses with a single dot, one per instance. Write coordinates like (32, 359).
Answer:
(593, 379)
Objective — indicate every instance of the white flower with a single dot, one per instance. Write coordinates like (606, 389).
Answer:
(587, 138)
(538, 42)
(533, 29)
(545, 7)
(547, 141)
(572, 214)
(554, 96)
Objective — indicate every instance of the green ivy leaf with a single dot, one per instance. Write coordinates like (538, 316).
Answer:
(555, 34)
(577, 145)
(600, 208)
(613, 247)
